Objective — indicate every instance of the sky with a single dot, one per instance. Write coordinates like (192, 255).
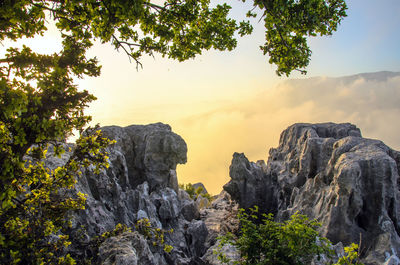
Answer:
(226, 102)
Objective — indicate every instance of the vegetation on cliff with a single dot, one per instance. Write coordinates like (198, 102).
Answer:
(293, 242)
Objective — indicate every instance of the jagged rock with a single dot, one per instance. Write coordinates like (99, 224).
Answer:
(190, 211)
(250, 186)
(196, 237)
(202, 202)
(220, 217)
(228, 250)
(183, 195)
(140, 182)
(392, 260)
(150, 152)
(167, 204)
(127, 249)
(328, 172)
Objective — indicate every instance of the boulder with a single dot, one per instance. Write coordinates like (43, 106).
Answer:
(150, 152)
(126, 249)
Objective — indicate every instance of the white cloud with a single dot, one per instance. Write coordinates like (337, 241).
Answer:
(370, 101)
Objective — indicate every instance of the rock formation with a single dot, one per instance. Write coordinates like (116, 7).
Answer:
(141, 182)
(328, 172)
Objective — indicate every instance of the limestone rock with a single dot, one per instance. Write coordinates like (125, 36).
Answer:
(127, 249)
(220, 218)
(228, 250)
(202, 202)
(190, 211)
(150, 152)
(328, 172)
(140, 182)
(250, 185)
(196, 237)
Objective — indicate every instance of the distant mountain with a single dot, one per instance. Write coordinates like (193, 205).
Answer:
(375, 76)
(381, 76)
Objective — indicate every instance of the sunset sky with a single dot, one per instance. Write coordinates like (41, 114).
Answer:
(226, 102)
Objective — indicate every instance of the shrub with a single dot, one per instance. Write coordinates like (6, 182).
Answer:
(352, 256)
(194, 193)
(293, 242)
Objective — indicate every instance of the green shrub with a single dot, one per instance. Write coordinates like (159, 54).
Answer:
(352, 256)
(194, 193)
(293, 242)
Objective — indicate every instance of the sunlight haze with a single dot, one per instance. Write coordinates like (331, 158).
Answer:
(226, 102)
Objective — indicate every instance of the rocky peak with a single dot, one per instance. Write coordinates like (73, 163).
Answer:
(150, 152)
(328, 172)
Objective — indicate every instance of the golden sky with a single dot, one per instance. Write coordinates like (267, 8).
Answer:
(252, 124)
(226, 102)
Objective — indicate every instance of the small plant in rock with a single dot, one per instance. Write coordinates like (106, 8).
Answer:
(352, 256)
(142, 226)
(194, 193)
(155, 235)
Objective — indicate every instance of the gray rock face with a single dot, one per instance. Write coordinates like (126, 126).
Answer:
(190, 211)
(126, 249)
(328, 172)
(196, 236)
(220, 218)
(150, 153)
(250, 186)
(141, 182)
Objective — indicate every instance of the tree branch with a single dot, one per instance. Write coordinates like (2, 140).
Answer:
(121, 44)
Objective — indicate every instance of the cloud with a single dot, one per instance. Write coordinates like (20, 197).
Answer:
(253, 125)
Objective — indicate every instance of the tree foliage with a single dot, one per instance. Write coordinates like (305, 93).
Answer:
(179, 29)
(40, 105)
(288, 23)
